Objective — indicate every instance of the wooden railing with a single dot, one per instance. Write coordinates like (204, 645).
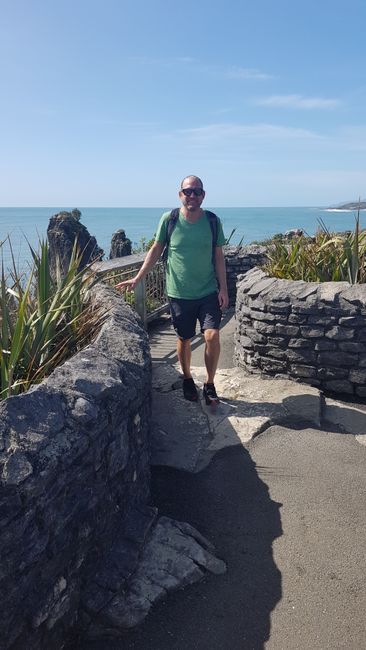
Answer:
(149, 298)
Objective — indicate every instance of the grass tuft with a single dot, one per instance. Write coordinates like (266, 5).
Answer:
(327, 257)
(43, 321)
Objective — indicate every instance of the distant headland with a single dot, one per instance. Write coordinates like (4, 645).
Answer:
(352, 205)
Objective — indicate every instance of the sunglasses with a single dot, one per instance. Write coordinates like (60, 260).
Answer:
(188, 191)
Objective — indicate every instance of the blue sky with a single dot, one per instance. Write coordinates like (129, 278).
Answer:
(110, 103)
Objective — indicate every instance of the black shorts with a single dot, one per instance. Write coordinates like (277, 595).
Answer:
(185, 314)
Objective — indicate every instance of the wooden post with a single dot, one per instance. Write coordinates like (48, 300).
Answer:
(140, 301)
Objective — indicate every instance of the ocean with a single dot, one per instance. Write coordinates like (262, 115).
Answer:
(251, 224)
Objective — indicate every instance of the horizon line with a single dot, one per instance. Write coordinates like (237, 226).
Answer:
(157, 207)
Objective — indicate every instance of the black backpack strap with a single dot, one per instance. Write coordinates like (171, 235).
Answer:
(212, 219)
(171, 222)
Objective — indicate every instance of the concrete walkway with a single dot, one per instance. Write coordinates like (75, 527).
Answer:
(280, 489)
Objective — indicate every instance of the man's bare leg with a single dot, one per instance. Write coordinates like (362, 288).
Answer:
(184, 356)
(212, 353)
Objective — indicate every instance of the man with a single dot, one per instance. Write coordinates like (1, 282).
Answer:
(196, 282)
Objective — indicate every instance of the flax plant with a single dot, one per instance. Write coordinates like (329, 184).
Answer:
(43, 321)
(228, 239)
(326, 257)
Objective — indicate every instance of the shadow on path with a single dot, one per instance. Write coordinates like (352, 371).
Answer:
(230, 504)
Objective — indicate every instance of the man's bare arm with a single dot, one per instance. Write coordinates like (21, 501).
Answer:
(221, 277)
(150, 260)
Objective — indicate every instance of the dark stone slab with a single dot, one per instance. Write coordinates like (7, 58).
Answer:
(337, 359)
(299, 343)
(340, 333)
(311, 332)
(339, 386)
(302, 371)
(301, 355)
(287, 330)
(324, 344)
(332, 373)
(358, 376)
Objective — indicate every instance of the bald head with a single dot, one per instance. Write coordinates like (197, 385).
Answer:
(192, 179)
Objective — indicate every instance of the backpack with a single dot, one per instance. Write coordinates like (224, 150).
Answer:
(172, 220)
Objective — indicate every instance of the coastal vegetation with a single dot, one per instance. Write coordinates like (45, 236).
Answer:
(228, 239)
(44, 320)
(327, 256)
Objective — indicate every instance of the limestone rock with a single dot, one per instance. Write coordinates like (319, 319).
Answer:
(63, 229)
(121, 246)
(174, 556)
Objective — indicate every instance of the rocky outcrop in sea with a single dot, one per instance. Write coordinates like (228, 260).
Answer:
(63, 229)
(121, 246)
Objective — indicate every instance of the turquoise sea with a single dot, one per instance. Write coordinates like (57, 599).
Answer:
(252, 224)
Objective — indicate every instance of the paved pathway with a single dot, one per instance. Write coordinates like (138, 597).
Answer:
(286, 510)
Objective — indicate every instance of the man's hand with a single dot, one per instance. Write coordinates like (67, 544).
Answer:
(128, 285)
(223, 299)
(150, 259)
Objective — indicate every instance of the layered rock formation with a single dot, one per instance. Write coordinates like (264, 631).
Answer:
(308, 331)
(81, 549)
(63, 229)
(120, 245)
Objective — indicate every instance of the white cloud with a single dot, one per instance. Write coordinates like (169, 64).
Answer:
(145, 60)
(236, 72)
(234, 131)
(119, 123)
(298, 101)
(239, 142)
(222, 111)
(227, 72)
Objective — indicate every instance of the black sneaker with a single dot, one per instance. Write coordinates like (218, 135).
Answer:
(190, 390)
(210, 395)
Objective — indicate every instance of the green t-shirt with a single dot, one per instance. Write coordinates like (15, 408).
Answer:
(190, 273)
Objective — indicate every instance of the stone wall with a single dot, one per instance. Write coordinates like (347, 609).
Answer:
(307, 331)
(73, 470)
(238, 261)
